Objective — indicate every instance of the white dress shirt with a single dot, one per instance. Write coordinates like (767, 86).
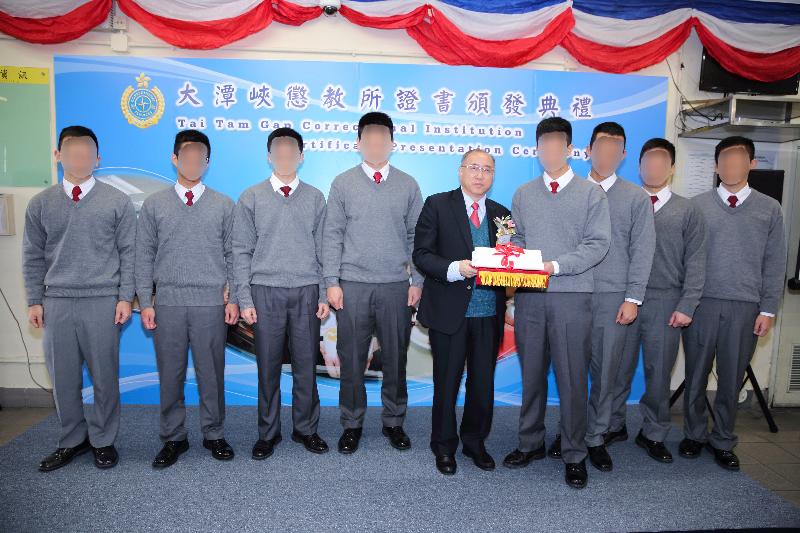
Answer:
(606, 183)
(662, 196)
(86, 186)
(562, 181)
(453, 273)
(197, 191)
(277, 184)
(741, 196)
(370, 172)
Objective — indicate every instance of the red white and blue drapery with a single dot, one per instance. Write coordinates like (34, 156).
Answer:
(753, 38)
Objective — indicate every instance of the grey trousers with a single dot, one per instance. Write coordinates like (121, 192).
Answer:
(558, 324)
(381, 309)
(287, 318)
(79, 330)
(608, 340)
(723, 328)
(659, 343)
(203, 329)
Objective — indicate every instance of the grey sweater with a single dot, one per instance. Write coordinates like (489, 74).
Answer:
(746, 258)
(79, 249)
(680, 258)
(185, 250)
(277, 240)
(572, 227)
(369, 228)
(626, 267)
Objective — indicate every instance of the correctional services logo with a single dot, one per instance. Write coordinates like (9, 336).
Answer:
(143, 107)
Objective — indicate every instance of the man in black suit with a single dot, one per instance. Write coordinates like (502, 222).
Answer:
(465, 322)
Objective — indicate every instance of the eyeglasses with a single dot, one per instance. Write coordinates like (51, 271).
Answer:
(477, 169)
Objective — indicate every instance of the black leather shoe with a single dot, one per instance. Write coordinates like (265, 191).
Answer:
(616, 436)
(480, 457)
(63, 456)
(655, 449)
(169, 454)
(220, 449)
(598, 456)
(348, 442)
(554, 451)
(264, 448)
(575, 474)
(518, 459)
(106, 457)
(397, 437)
(446, 464)
(724, 458)
(690, 449)
(313, 442)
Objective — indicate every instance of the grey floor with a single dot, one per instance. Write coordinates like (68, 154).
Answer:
(379, 488)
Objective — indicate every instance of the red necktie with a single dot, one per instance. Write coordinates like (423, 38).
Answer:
(377, 177)
(474, 216)
(732, 199)
(653, 200)
(189, 197)
(76, 193)
(286, 189)
(554, 186)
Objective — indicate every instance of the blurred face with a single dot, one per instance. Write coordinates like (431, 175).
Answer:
(78, 157)
(285, 156)
(607, 152)
(375, 144)
(191, 161)
(734, 165)
(553, 151)
(476, 174)
(656, 168)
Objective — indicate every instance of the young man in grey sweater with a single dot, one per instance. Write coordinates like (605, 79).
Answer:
(277, 242)
(567, 218)
(746, 267)
(78, 253)
(369, 240)
(183, 247)
(619, 281)
(673, 292)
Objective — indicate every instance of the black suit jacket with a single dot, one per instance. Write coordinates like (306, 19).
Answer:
(443, 236)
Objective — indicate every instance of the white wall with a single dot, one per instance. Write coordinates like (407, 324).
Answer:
(327, 38)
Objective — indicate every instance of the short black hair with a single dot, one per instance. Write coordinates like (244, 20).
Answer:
(378, 118)
(554, 125)
(609, 128)
(284, 132)
(658, 143)
(77, 131)
(191, 136)
(735, 140)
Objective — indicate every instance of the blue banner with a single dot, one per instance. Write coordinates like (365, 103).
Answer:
(136, 105)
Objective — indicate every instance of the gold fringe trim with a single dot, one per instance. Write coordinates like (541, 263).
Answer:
(513, 279)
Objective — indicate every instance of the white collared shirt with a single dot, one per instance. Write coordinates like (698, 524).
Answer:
(741, 196)
(562, 181)
(453, 273)
(86, 186)
(277, 184)
(197, 191)
(370, 172)
(663, 197)
(606, 184)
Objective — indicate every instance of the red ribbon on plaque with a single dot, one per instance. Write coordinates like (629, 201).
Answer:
(508, 251)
